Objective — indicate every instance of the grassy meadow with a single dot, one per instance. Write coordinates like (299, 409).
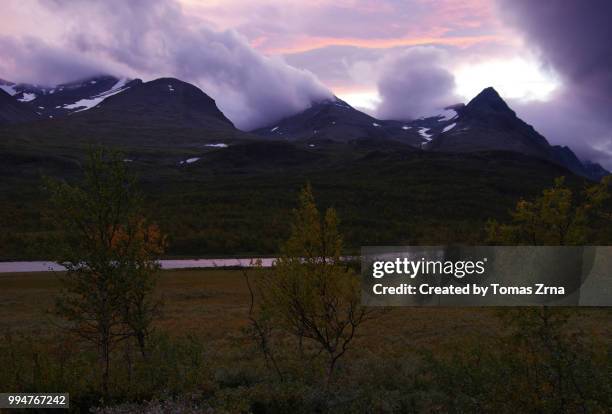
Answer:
(213, 304)
(407, 360)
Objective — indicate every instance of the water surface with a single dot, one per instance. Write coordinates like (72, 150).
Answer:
(42, 266)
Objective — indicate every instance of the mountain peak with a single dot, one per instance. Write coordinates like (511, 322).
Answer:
(489, 90)
(488, 101)
(167, 101)
(332, 101)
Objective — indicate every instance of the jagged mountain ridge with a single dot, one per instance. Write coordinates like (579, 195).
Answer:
(486, 123)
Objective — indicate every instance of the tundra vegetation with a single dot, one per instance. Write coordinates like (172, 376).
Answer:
(294, 337)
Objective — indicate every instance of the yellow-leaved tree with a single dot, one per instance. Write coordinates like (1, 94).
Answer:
(553, 381)
(557, 217)
(310, 293)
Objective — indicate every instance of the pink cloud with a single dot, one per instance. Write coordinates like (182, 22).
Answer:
(277, 27)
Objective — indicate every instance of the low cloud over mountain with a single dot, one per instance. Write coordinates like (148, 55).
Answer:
(414, 83)
(155, 38)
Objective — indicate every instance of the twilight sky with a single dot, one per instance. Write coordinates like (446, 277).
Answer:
(262, 60)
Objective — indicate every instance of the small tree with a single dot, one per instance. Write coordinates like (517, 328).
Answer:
(109, 251)
(554, 218)
(310, 293)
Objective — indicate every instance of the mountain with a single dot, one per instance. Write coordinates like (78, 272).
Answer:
(337, 121)
(73, 97)
(164, 102)
(594, 170)
(13, 111)
(430, 126)
(487, 123)
(566, 157)
(134, 115)
(217, 188)
(169, 112)
(23, 92)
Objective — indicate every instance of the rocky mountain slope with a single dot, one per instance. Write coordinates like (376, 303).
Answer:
(12, 111)
(337, 121)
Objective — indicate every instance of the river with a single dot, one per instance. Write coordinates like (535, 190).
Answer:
(42, 266)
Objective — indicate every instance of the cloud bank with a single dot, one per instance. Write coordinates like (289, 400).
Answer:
(414, 83)
(572, 37)
(155, 38)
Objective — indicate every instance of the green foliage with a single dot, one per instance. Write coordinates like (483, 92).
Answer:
(175, 366)
(557, 371)
(221, 206)
(310, 293)
(526, 369)
(541, 366)
(557, 217)
(109, 251)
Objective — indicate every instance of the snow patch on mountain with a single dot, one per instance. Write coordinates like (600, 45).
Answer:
(424, 133)
(447, 115)
(8, 89)
(190, 160)
(88, 103)
(449, 127)
(27, 97)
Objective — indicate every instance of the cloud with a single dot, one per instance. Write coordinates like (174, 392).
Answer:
(572, 38)
(414, 83)
(344, 67)
(155, 38)
(30, 59)
(563, 122)
(304, 26)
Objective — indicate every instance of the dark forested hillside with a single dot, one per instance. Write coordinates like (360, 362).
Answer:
(237, 199)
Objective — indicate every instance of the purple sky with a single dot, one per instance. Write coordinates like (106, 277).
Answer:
(263, 60)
